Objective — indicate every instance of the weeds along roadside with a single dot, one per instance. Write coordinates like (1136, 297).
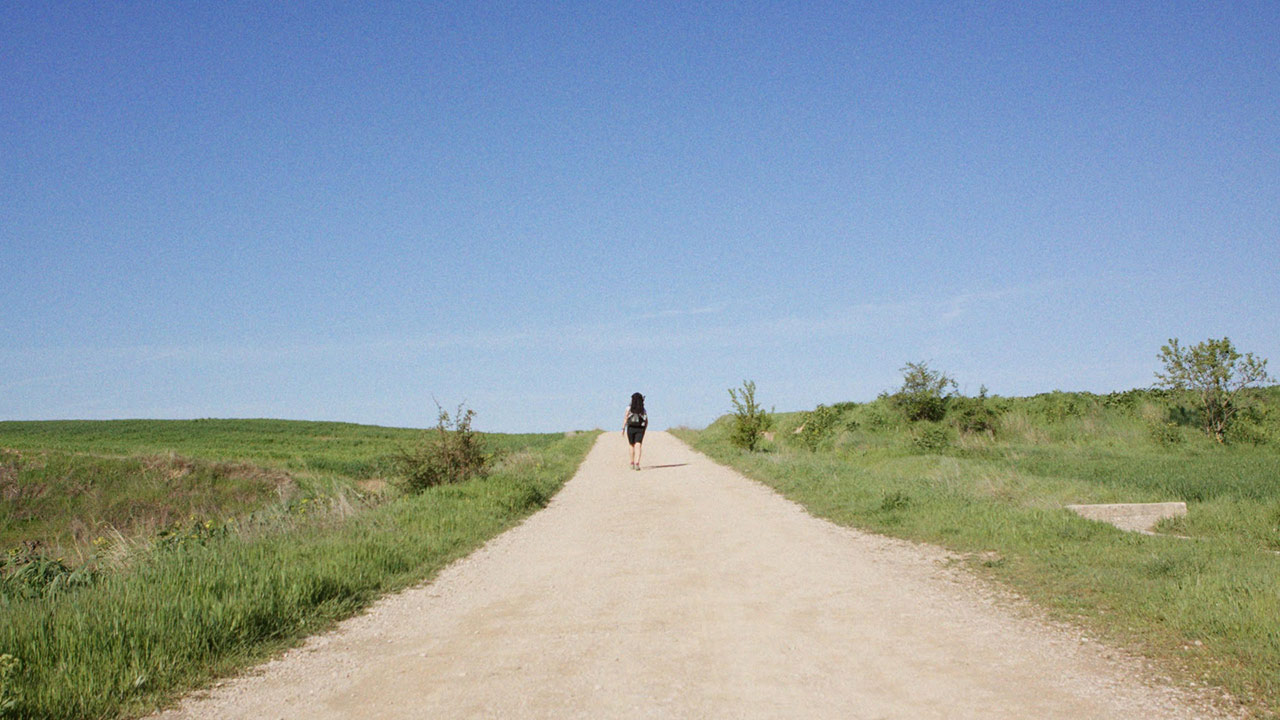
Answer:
(1205, 607)
(200, 609)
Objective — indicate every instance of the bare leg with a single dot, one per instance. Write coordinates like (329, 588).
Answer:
(635, 450)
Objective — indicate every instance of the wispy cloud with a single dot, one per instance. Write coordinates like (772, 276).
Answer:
(683, 312)
(717, 327)
(959, 305)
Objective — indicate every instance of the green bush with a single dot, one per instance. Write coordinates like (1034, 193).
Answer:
(1255, 425)
(931, 438)
(1057, 406)
(450, 453)
(974, 415)
(924, 393)
(880, 414)
(750, 421)
(817, 427)
(1165, 433)
(1134, 399)
(1162, 430)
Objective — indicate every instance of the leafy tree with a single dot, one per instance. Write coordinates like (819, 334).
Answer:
(924, 392)
(1216, 373)
(750, 419)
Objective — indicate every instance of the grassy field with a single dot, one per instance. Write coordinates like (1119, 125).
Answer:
(72, 485)
(307, 448)
(1207, 606)
(230, 544)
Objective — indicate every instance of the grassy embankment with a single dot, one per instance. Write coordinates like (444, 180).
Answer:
(194, 548)
(1207, 606)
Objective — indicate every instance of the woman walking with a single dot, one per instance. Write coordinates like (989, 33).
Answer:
(633, 427)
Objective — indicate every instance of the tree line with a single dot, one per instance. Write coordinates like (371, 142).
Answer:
(1213, 374)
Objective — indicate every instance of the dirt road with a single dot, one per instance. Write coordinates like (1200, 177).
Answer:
(687, 591)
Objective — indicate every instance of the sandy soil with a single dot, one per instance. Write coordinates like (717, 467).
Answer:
(687, 591)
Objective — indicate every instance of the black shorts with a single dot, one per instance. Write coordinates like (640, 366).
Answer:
(635, 434)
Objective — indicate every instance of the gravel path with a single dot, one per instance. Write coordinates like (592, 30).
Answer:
(687, 591)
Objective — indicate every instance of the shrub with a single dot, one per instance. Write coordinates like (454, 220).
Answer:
(974, 415)
(1165, 433)
(450, 453)
(1136, 398)
(924, 392)
(931, 438)
(750, 421)
(880, 414)
(1255, 424)
(1057, 406)
(817, 427)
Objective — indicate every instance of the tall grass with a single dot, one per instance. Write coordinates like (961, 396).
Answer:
(1208, 606)
(71, 502)
(190, 611)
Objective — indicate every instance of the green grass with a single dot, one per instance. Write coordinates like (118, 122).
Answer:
(1208, 607)
(208, 603)
(297, 446)
(72, 485)
(72, 503)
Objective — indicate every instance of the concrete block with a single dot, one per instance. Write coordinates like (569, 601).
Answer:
(1135, 517)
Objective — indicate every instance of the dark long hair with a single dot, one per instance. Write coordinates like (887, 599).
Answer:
(637, 403)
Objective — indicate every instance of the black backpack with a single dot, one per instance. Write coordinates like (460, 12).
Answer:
(637, 420)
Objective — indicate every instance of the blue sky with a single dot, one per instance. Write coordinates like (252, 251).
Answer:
(340, 211)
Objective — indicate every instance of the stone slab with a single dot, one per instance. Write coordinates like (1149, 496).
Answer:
(1135, 517)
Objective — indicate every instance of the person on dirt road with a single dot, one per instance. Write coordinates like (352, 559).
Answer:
(633, 426)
